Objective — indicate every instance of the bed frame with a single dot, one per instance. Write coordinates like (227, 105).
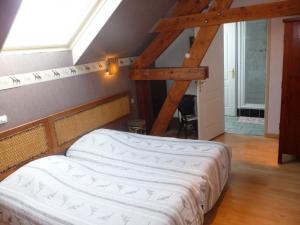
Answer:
(54, 134)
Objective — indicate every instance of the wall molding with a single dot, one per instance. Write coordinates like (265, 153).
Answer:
(19, 80)
(269, 135)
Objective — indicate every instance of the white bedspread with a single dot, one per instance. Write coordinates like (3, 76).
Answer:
(117, 178)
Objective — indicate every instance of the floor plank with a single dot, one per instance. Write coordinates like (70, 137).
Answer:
(259, 191)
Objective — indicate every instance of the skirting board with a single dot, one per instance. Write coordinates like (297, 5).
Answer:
(19, 80)
(276, 136)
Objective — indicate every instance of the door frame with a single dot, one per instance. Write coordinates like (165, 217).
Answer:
(267, 77)
(235, 69)
(241, 29)
(267, 81)
(241, 43)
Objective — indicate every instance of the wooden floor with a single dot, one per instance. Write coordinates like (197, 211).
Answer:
(259, 192)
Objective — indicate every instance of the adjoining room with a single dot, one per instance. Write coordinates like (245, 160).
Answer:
(245, 72)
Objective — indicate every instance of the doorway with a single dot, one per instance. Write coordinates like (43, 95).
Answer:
(245, 57)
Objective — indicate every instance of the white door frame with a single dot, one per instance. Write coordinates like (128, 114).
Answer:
(238, 70)
(241, 30)
(230, 69)
(241, 70)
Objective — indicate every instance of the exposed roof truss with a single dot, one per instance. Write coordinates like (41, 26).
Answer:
(189, 13)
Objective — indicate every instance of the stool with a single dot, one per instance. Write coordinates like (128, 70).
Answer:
(137, 126)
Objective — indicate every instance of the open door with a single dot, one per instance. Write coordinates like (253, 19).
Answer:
(210, 93)
(230, 69)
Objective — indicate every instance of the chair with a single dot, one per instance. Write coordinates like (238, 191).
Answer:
(187, 116)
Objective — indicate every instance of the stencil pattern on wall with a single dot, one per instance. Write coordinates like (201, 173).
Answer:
(18, 80)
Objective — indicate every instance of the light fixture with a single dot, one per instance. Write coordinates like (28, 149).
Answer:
(112, 66)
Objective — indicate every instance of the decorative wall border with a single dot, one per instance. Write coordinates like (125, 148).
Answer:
(19, 80)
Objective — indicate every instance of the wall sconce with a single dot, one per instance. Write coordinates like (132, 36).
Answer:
(112, 66)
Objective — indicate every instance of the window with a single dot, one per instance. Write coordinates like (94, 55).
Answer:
(41, 24)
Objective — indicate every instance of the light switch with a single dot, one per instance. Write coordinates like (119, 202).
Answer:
(3, 119)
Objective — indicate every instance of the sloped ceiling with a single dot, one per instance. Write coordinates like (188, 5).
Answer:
(8, 11)
(127, 32)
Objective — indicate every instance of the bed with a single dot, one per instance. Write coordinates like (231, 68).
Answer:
(117, 178)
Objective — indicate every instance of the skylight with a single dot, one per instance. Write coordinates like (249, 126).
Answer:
(41, 24)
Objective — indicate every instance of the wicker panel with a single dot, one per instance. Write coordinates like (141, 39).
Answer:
(22, 147)
(74, 126)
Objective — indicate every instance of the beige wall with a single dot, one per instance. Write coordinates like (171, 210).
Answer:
(275, 74)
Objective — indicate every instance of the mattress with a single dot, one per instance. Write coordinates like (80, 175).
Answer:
(117, 178)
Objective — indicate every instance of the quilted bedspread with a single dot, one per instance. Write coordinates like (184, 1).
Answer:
(117, 178)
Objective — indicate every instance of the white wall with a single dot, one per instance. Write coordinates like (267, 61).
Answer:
(211, 92)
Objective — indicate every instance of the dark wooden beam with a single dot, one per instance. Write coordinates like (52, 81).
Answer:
(254, 12)
(163, 40)
(181, 73)
(154, 50)
(197, 52)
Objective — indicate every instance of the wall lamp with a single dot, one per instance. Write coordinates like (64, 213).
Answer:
(112, 66)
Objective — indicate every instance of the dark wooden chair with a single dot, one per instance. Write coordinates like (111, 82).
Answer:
(187, 116)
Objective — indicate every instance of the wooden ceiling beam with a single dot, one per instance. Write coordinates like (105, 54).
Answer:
(253, 12)
(163, 40)
(160, 43)
(197, 52)
(198, 73)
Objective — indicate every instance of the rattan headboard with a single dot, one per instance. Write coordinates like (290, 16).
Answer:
(57, 132)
